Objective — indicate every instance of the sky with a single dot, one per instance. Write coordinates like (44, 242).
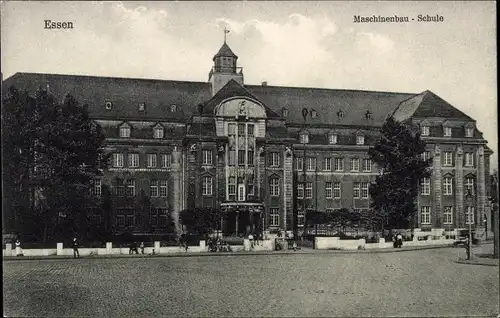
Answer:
(305, 44)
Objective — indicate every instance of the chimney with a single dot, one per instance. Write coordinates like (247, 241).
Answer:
(264, 83)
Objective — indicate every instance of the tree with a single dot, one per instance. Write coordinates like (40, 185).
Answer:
(201, 220)
(394, 192)
(52, 152)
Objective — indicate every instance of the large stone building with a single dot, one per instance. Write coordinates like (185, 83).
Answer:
(242, 148)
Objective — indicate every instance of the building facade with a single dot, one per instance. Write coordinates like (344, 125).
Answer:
(264, 154)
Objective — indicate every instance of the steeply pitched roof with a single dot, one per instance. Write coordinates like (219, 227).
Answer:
(225, 50)
(124, 93)
(427, 104)
(327, 102)
(231, 89)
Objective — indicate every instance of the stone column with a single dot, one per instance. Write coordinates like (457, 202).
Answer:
(481, 187)
(436, 211)
(459, 218)
(176, 188)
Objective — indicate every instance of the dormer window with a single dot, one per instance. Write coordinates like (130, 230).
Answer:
(360, 140)
(340, 114)
(332, 139)
(284, 112)
(314, 114)
(158, 132)
(304, 138)
(368, 115)
(447, 131)
(125, 131)
(425, 131)
(469, 132)
(173, 108)
(142, 106)
(109, 105)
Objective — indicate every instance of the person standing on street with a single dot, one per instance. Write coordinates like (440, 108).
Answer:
(75, 248)
(19, 250)
(399, 240)
(142, 247)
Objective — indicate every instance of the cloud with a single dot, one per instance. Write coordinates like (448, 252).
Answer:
(381, 43)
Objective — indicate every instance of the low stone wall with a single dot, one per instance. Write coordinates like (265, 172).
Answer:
(329, 243)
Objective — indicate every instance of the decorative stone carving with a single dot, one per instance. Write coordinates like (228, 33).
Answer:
(288, 151)
(481, 151)
(221, 149)
(242, 108)
(192, 147)
(437, 150)
(261, 150)
(460, 150)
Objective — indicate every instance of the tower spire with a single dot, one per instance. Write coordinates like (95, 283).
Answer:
(226, 31)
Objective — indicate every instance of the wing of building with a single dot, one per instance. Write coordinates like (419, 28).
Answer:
(243, 148)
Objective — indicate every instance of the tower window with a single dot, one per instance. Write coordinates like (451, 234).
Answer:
(284, 112)
(368, 114)
(109, 105)
(173, 108)
(142, 106)
(340, 114)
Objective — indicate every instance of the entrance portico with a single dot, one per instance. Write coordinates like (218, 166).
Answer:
(243, 218)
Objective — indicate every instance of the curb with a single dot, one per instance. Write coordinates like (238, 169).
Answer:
(473, 262)
(231, 254)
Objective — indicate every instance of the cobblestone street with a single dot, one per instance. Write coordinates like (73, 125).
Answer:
(411, 283)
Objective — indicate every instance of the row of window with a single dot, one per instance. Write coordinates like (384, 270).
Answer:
(332, 138)
(425, 186)
(447, 131)
(336, 163)
(126, 217)
(158, 131)
(241, 129)
(133, 160)
(425, 215)
(141, 106)
(449, 159)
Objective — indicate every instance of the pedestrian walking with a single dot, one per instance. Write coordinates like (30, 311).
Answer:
(250, 238)
(75, 248)
(19, 250)
(142, 247)
(399, 239)
(294, 245)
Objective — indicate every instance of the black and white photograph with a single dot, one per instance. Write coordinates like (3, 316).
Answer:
(249, 159)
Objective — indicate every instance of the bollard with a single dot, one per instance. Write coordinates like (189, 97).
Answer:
(59, 249)
(109, 248)
(8, 249)
(156, 248)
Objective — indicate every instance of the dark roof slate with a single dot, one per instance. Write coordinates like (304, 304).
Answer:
(226, 51)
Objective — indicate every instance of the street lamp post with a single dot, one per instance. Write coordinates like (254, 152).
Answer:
(468, 219)
(485, 221)
(305, 112)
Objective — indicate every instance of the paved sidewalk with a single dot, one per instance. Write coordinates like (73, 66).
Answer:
(301, 251)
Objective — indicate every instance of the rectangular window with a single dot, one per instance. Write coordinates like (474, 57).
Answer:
(275, 187)
(469, 159)
(365, 190)
(232, 186)
(274, 214)
(250, 130)
(163, 216)
(275, 159)
(130, 187)
(97, 188)
(329, 190)
(360, 140)
(129, 217)
(469, 215)
(166, 161)
(469, 186)
(448, 159)
(300, 191)
(299, 164)
(231, 128)
(311, 164)
(124, 132)
(153, 217)
(337, 190)
(241, 157)
(425, 186)
(327, 164)
(309, 190)
(250, 183)
(332, 139)
(133, 160)
(448, 215)
(151, 160)
(448, 186)
(425, 215)
(355, 164)
(469, 132)
(119, 188)
(158, 133)
(241, 192)
(153, 188)
(250, 154)
(232, 157)
(207, 157)
(425, 131)
(300, 218)
(304, 138)
(367, 165)
(241, 130)
(426, 155)
(207, 186)
(356, 190)
(339, 164)
(447, 131)
(118, 160)
(163, 188)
